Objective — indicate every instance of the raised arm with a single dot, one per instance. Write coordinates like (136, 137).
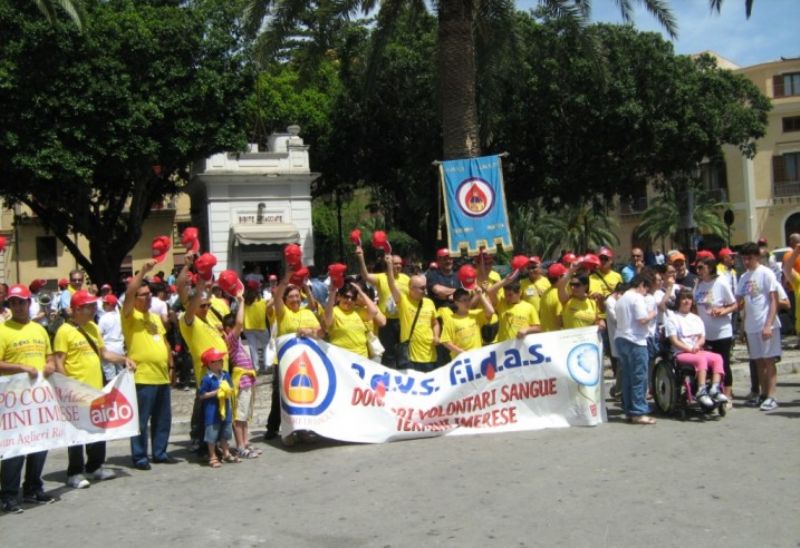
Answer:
(194, 302)
(239, 325)
(362, 266)
(328, 317)
(133, 287)
(183, 283)
(277, 294)
(563, 294)
(488, 309)
(390, 279)
(495, 287)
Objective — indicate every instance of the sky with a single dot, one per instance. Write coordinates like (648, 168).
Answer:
(772, 32)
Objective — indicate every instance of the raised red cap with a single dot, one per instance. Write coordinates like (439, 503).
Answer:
(190, 238)
(160, 247)
(568, 258)
(518, 262)
(355, 236)
(556, 270)
(468, 277)
(205, 264)
(229, 282)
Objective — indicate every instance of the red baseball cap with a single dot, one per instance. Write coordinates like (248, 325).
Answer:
(336, 271)
(518, 262)
(299, 276)
(726, 252)
(702, 255)
(18, 291)
(468, 277)
(444, 252)
(111, 299)
(37, 284)
(556, 270)
(590, 261)
(63, 283)
(205, 264)
(762, 242)
(381, 241)
(82, 298)
(534, 260)
(212, 355)
(569, 258)
(3, 242)
(605, 252)
(355, 236)
(293, 255)
(252, 283)
(190, 238)
(229, 282)
(160, 247)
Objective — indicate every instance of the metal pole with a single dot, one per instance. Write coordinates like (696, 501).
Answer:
(339, 223)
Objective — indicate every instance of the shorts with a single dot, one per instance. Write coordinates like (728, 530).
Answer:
(760, 349)
(218, 431)
(245, 404)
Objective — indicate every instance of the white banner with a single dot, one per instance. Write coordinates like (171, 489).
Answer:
(46, 413)
(548, 380)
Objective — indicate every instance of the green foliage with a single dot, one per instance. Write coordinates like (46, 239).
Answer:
(579, 228)
(661, 219)
(87, 115)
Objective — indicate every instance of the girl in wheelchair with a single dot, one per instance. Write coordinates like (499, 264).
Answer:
(686, 333)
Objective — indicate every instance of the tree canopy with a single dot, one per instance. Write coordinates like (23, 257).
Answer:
(99, 125)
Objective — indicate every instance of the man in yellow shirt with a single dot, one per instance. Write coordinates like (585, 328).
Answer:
(146, 341)
(534, 286)
(78, 350)
(389, 334)
(550, 308)
(417, 311)
(517, 317)
(24, 348)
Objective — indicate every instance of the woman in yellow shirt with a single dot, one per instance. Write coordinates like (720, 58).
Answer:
(579, 310)
(346, 326)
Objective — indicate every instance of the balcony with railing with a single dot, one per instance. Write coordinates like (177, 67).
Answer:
(785, 189)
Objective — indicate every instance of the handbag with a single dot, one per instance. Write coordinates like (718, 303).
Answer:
(402, 350)
(374, 346)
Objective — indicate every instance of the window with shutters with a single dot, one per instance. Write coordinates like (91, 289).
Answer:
(786, 174)
(791, 123)
(786, 85)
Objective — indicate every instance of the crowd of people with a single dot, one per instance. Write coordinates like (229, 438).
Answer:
(189, 329)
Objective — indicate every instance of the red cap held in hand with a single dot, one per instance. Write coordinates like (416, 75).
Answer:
(355, 236)
(205, 264)
(160, 247)
(190, 238)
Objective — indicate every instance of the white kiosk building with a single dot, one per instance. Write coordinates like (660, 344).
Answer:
(249, 205)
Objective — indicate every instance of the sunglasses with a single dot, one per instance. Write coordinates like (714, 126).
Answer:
(77, 280)
(349, 297)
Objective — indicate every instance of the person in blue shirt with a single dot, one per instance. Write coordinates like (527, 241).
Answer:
(216, 391)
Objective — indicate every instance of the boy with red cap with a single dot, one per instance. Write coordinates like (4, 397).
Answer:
(24, 348)
(461, 330)
(216, 392)
(535, 284)
(517, 317)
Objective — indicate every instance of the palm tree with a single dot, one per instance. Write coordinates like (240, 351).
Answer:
(73, 8)
(662, 218)
(458, 21)
(748, 6)
(579, 227)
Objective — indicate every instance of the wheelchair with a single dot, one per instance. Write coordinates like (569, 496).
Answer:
(674, 388)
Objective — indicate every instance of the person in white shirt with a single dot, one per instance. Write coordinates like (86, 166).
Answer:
(687, 333)
(715, 306)
(157, 304)
(757, 292)
(110, 326)
(633, 322)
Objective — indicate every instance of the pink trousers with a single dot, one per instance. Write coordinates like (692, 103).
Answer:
(702, 361)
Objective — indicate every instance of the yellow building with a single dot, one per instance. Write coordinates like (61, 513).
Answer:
(763, 192)
(34, 252)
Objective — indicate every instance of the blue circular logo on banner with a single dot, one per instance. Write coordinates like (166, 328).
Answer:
(584, 364)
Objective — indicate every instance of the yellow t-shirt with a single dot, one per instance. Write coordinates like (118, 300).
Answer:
(222, 309)
(199, 337)
(515, 317)
(145, 340)
(597, 285)
(290, 322)
(348, 331)
(579, 313)
(385, 294)
(255, 316)
(81, 362)
(420, 347)
(532, 291)
(550, 310)
(24, 344)
(464, 331)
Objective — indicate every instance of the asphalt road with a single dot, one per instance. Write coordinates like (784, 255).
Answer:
(726, 482)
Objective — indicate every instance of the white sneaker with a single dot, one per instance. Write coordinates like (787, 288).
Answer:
(103, 473)
(769, 404)
(705, 400)
(78, 482)
(719, 397)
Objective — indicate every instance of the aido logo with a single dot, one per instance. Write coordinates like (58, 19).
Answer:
(475, 197)
(309, 381)
(110, 410)
(583, 364)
